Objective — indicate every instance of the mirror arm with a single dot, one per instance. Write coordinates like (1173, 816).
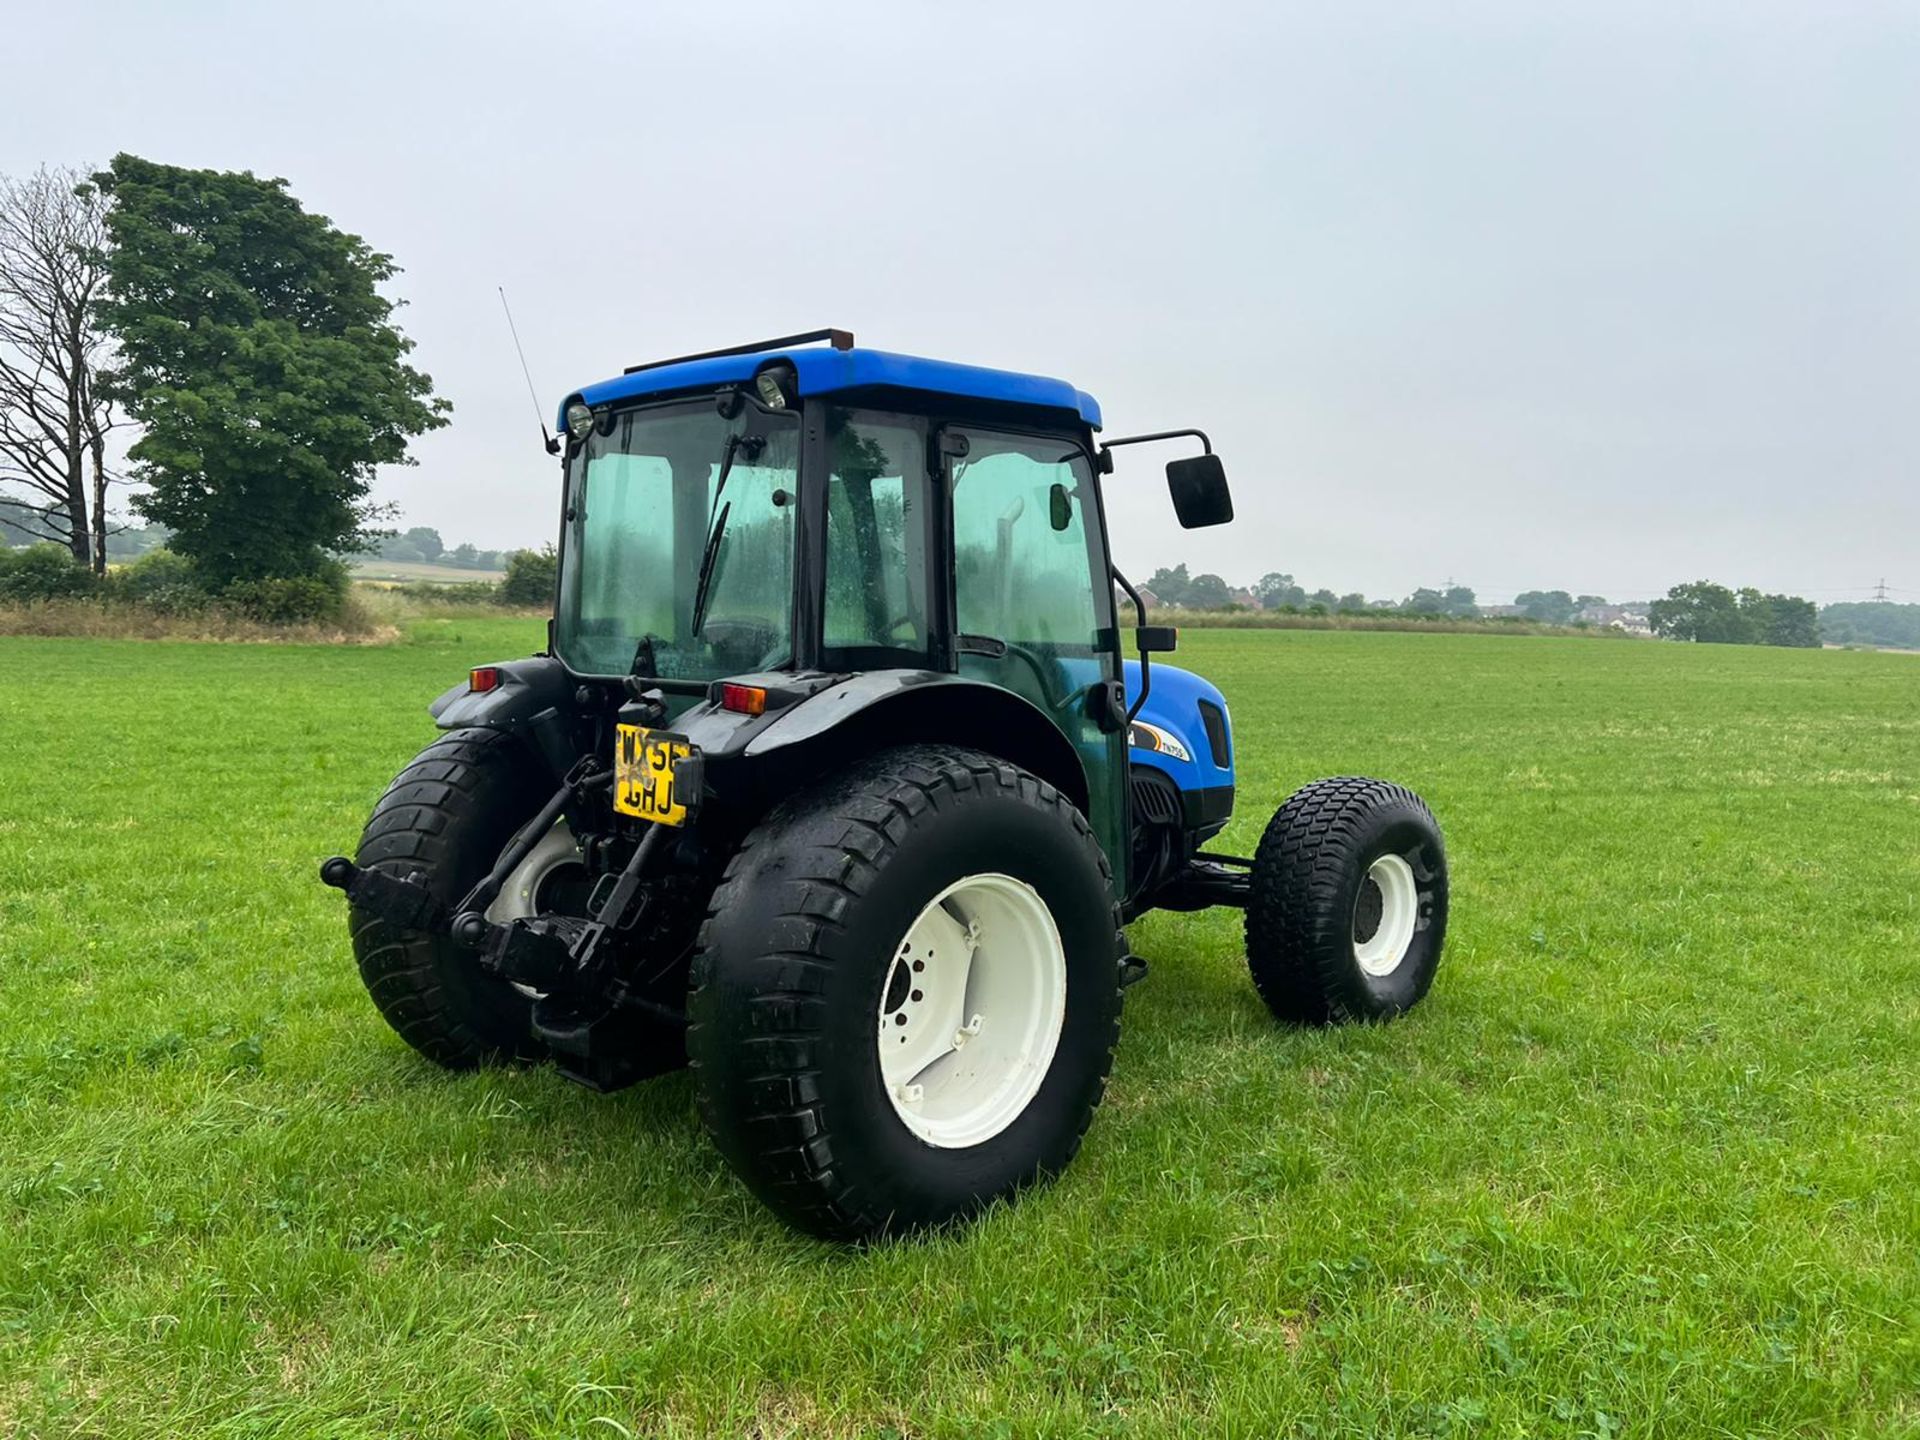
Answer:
(1146, 673)
(1106, 459)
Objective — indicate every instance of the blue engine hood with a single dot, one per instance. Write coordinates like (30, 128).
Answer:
(1173, 704)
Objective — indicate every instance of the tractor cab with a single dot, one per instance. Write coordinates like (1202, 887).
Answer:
(839, 777)
(804, 511)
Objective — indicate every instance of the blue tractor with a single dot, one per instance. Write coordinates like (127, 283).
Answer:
(839, 780)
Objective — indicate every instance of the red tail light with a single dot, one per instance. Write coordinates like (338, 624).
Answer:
(743, 699)
(484, 678)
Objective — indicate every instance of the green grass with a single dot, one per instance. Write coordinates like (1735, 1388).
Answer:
(1646, 1162)
(374, 568)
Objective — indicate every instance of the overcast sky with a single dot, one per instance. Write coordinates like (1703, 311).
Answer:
(1597, 297)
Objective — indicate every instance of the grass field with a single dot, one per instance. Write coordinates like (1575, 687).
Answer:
(374, 568)
(1647, 1162)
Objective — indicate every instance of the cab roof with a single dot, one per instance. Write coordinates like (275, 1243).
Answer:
(822, 371)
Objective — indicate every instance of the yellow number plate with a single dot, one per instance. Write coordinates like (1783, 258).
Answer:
(643, 774)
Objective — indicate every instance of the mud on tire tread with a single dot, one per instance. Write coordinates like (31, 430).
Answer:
(1300, 915)
(447, 815)
(766, 1027)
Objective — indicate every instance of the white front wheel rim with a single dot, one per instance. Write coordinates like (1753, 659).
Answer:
(971, 1010)
(1386, 914)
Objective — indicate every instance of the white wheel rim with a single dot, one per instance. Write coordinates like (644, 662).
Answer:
(1385, 915)
(519, 898)
(971, 1010)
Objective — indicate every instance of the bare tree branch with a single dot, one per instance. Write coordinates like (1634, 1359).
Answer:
(53, 423)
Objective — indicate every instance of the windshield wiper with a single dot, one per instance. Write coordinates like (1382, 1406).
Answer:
(717, 525)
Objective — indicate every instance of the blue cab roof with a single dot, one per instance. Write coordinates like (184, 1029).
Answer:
(822, 371)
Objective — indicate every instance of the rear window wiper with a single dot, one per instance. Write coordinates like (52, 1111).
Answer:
(706, 568)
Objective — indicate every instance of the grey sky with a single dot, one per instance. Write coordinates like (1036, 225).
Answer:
(1600, 296)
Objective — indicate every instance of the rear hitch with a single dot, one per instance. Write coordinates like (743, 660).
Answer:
(542, 952)
(550, 952)
(403, 902)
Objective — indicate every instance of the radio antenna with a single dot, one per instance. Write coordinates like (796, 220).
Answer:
(553, 444)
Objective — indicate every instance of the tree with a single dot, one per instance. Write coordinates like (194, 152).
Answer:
(1208, 592)
(1701, 611)
(426, 540)
(1550, 607)
(531, 577)
(464, 556)
(1713, 614)
(1172, 586)
(54, 417)
(1872, 622)
(1781, 619)
(1275, 590)
(261, 361)
(1355, 601)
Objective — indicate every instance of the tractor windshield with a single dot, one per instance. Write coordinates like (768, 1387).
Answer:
(678, 552)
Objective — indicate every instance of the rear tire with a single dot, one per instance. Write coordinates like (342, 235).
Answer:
(447, 817)
(1349, 903)
(805, 978)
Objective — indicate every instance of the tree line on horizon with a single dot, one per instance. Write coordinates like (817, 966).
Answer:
(422, 545)
(1175, 586)
(1699, 610)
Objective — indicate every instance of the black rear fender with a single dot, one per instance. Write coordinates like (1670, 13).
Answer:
(533, 700)
(885, 708)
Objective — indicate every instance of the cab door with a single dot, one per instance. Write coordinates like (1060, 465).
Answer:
(1032, 604)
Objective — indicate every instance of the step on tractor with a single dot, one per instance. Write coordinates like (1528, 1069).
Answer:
(839, 780)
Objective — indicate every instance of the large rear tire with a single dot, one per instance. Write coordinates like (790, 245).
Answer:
(447, 817)
(1349, 903)
(906, 1000)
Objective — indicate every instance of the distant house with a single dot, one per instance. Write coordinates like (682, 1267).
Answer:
(1630, 618)
(1499, 610)
(1123, 603)
(1245, 598)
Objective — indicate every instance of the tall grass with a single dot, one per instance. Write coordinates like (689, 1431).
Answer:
(372, 615)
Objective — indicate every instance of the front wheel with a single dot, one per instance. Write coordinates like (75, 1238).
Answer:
(906, 997)
(1349, 903)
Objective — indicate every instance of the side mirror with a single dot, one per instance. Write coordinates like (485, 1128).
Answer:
(1059, 507)
(1198, 485)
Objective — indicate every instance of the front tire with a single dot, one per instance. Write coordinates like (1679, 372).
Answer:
(906, 1000)
(1349, 903)
(447, 817)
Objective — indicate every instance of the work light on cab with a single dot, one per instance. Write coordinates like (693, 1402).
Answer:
(773, 383)
(579, 420)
